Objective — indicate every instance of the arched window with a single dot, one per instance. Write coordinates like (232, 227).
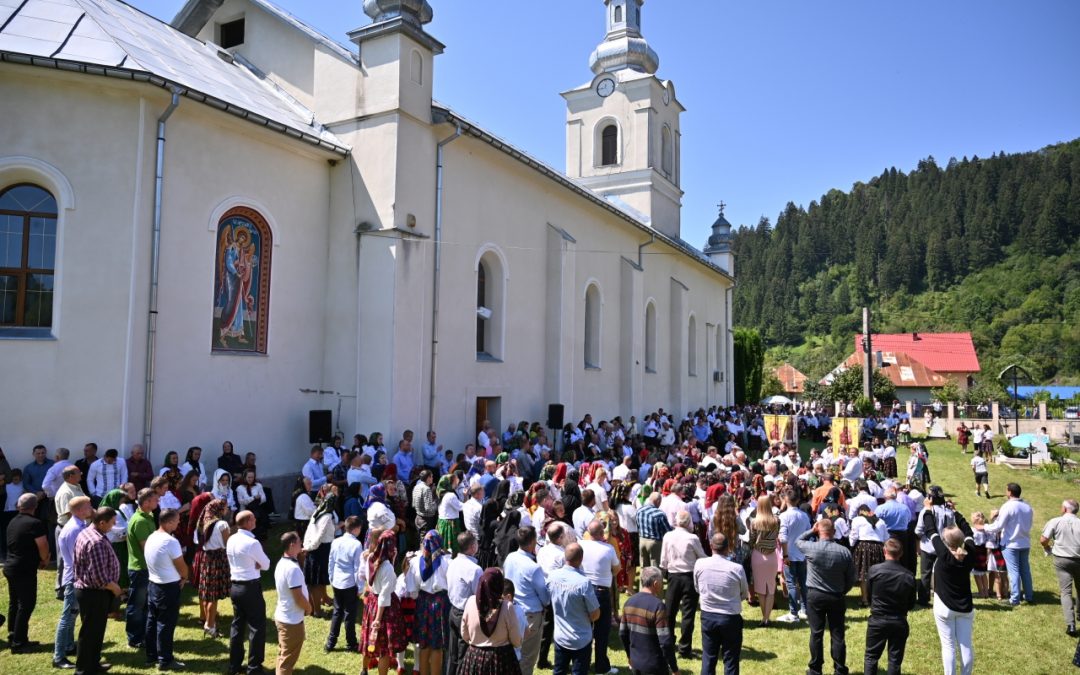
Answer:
(618, 13)
(691, 346)
(592, 326)
(27, 256)
(241, 318)
(609, 145)
(666, 152)
(650, 338)
(490, 305)
(417, 69)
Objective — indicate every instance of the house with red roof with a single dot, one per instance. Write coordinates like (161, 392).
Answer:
(791, 378)
(918, 362)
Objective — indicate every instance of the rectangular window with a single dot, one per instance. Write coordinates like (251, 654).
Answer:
(231, 34)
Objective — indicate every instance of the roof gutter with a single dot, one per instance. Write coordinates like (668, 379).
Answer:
(445, 115)
(141, 76)
(155, 268)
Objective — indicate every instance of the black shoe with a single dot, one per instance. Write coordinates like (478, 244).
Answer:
(1071, 631)
(543, 665)
(73, 651)
(3, 620)
(63, 664)
(136, 645)
(172, 665)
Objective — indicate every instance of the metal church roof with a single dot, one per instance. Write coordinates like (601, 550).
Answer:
(108, 37)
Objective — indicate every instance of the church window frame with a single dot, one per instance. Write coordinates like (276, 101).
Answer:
(650, 336)
(667, 151)
(618, 18)
(691, 346)
(593, 328)
(416, 70)
(491, 285)
(608, 143)
(29, 219)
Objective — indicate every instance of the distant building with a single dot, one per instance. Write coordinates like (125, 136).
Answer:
(791, 378)
(918, 362)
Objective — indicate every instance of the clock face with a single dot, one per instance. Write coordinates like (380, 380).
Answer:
(605, 87)
(667, 97)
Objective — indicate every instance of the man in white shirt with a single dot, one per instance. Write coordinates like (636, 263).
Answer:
(344, 564)
(54, 477)
(600, 564)
(853, 467)
(168, 573)
(680, 552)
(247, 561)
(314, 470)
(1014, 520)
(107, 474)
(863, 498)
(622, 471)
(667, 437)
(462, 577)
(472, 509)
(583, 514)
(292, 604)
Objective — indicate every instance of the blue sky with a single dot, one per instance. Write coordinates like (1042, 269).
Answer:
(786, 99)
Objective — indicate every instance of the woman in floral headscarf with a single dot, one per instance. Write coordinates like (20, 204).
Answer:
(425, 578)
(626, 512)
(213, 535)
(450, 507)
(384, 634)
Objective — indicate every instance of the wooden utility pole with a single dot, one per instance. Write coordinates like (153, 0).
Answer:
(868, 356)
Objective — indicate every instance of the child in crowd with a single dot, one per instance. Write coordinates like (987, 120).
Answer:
(995, 562)
(523, 622)
(979, 536)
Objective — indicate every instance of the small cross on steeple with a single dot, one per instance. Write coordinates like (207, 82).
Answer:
(722, 205)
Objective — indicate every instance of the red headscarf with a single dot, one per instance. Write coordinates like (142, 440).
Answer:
(668, 484)
(489, 599)
(197, 506)
(713, 494)
(385, 549)
(560, 473)
(389, 472)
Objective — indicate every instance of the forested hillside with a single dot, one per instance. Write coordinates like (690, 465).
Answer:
(986, 245)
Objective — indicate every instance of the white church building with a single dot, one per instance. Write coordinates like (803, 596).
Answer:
(210, 228)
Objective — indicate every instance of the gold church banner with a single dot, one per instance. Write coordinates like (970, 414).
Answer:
(781, 429)
(845, 433)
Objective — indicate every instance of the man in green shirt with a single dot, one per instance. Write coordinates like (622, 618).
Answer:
(140, 527)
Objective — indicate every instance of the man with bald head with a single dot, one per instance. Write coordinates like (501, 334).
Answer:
(28, 551)
(600, 565)
(81, 511)
(680, 552)
(576, 609)
(247, 561)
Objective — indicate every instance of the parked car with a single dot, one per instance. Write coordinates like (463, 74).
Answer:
(1072, 412)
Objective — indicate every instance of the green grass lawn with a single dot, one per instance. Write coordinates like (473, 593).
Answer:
(1023, 640)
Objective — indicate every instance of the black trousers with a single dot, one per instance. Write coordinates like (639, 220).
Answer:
(882, 631)
(345, 603)
(927, 562)
(94, 607)
(22, 599)
(911, 548)
(826, 610)
(457, 645)
(721, 638)
(548, 635)
(249, 613)
(682, 597)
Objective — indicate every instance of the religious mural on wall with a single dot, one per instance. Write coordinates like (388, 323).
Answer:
(242, 283)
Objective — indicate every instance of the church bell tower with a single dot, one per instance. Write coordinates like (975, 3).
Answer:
(622, 136)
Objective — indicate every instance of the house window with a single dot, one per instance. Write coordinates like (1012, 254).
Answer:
(691, 347)
(650, 338)
(592, 326)
(231, 34)
(609, 145)
(27, 256)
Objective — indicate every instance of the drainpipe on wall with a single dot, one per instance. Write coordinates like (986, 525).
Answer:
(438, 267)
(155, 265)
(641, 247)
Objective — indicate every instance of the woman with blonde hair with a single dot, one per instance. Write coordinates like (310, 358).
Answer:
(764, 534)
(954, 611)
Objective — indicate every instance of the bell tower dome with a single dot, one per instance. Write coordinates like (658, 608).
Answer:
(622, 136)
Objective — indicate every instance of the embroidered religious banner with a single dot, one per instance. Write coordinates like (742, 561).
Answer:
(845, 433)
(781, 429)
(241, 283)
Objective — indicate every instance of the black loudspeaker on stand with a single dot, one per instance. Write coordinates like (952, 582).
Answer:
(320, 423)
(555, 416)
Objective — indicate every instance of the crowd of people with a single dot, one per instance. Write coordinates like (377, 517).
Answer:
(518, 554)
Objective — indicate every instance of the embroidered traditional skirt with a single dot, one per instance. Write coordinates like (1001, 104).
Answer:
(390, 638)
(868, 554)
(888, 467)
(449, 530)
(432, 620)
(489, 661)
(214, 579)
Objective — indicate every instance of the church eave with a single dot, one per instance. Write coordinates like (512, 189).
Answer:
(445, 115)
(164, 83)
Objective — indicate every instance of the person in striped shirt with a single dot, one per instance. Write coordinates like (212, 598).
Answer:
(650, 646)
(652, 524)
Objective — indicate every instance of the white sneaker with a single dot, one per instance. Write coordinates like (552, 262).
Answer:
(788, 618)
(802, 614)
(613, 671)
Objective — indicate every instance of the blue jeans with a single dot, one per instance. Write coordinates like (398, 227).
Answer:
(1018, 563)
(572, 661)
(136, 606)
(162, 613)
(721, 637)
(602, 630)
(795, 578)
(65, 629)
